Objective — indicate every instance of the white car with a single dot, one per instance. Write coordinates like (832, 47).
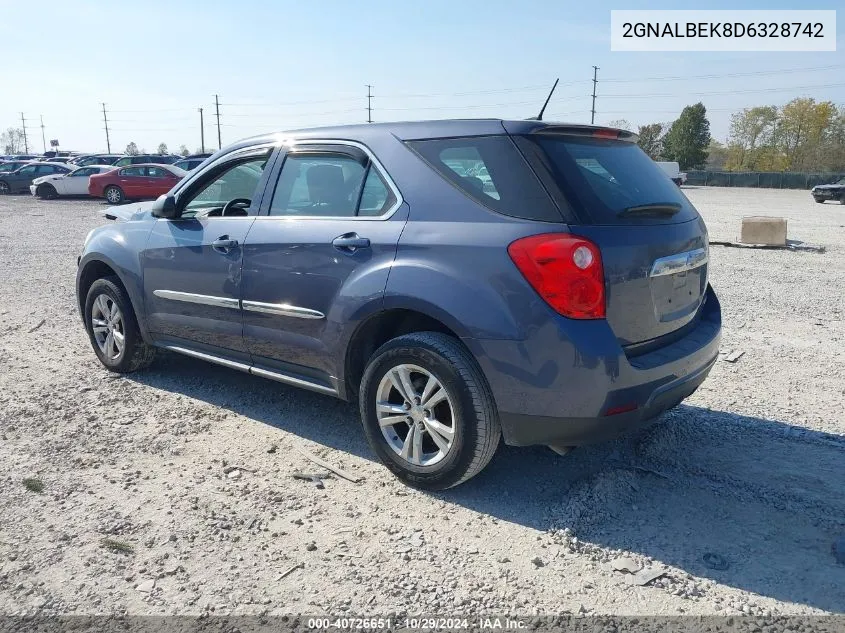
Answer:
(74, 183)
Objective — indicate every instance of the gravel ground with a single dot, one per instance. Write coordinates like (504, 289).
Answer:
(737, 495)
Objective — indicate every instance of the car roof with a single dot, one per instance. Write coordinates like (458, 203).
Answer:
(416, 130)
(47, 162)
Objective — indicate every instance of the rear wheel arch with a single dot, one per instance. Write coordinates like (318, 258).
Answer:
(379, 329)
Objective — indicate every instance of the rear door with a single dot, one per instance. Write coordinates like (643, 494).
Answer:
(652, 240)
(158, 181)
(130, 179)
(192, 264)
(321, 249)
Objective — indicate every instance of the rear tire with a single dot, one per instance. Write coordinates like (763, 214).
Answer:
(46, 192)
(458, 431)
(4, 188)
(114, 194)
(113, 329)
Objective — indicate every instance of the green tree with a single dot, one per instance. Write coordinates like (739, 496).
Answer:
(183, 150)
(752, 137)
(651, 139)
(688, 138)
(717, 156)
(132, 149)
(162, 148)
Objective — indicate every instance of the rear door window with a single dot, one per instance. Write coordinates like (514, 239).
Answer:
(490, 170)
(318, 185)
(606, 181)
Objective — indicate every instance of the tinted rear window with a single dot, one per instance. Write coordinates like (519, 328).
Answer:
(491, 170)
(602, 178)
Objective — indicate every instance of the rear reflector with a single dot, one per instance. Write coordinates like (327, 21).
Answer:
(625, 408)
(565, 270)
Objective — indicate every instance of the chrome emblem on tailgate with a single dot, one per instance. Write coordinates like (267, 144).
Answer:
(682, 262)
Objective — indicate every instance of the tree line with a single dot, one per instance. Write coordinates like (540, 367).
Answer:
(12, 142)
(803, 135)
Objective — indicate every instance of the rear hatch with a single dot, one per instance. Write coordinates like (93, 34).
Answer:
(652, 240)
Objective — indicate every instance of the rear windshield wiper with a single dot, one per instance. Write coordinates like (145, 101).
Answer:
(657, 209)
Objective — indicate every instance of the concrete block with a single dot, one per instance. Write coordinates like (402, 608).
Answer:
(763, 230)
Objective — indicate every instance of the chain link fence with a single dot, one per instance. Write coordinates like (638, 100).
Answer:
(766, 179)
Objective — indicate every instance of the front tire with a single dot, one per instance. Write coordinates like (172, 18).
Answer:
(113, 329)
(114, 194)
(428, 411)
(47, 192)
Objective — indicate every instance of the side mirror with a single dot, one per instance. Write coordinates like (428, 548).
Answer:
(165, 207)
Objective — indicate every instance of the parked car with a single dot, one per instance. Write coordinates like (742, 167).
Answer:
(135, 182)
(53, 159)
(12, 165)
(27, 157)
(94, 159)
(833, 191)
(673, 170)
(189, 164)
(568, 305)
(19, 180)
(73, 183)
(146, 159)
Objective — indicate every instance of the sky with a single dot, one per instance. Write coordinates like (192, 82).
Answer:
(281, 64)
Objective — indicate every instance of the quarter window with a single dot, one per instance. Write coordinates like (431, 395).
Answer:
(157, 172)
(491, 170)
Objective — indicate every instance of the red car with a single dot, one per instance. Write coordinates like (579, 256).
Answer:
(134, 182)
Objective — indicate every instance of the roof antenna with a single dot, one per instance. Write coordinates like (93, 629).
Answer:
(539, 117)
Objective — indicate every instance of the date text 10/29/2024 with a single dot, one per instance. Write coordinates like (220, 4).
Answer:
(417, 623)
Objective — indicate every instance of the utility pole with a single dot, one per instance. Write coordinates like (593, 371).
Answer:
(25, 144)
(369, 103)
(43, 138)
(202, 133)
(595, 81)
(106, 122)
(217, 107)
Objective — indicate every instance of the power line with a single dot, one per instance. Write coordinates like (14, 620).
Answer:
(759, 73)
(595, 81)
(721, 92)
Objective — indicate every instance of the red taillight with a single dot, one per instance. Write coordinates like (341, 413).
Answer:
(565, 270)
(605, 133)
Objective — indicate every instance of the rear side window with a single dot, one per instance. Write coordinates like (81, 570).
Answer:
(603, 178)
(490, 170)
(330, 185)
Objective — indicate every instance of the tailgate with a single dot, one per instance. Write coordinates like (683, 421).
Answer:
(655, 276)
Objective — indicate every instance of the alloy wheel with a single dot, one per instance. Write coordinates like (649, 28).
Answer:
(415, 415)
(113, 195)
(4, 188)
(108, 327)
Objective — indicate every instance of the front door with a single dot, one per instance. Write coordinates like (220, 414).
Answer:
(322, 248)
(192, 264)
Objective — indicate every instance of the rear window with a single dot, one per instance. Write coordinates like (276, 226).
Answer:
(491, 170)
(601, 178)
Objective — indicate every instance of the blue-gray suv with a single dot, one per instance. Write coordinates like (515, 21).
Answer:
(465, 281)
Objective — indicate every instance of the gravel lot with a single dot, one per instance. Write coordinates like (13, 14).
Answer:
(141, 512)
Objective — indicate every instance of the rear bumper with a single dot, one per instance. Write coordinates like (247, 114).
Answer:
(562, 385)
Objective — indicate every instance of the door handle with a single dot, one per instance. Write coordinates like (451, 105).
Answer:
(223, 244)
(350, 242)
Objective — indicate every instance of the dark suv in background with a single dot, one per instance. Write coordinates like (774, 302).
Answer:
(464, 281)
(144, 159)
